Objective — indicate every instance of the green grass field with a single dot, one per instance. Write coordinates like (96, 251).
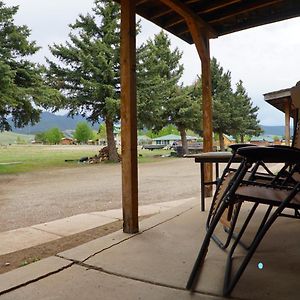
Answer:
(8, 137)
(28, 158)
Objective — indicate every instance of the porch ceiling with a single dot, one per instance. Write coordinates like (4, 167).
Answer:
(219, 17)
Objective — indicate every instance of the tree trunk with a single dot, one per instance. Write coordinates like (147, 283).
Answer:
(242, 139)
(185, 149)
(111, 144)
(221, 140)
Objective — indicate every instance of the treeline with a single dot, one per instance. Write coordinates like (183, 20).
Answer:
(82, 135)
(84, 79)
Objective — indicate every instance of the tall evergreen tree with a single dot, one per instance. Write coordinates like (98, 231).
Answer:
(22, 86)
(159, 71)
(246, 122)
(233, 112)
(223, 101)
(88, 74)
(184, 112)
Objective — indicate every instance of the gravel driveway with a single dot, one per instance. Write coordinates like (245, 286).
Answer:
(37, 197)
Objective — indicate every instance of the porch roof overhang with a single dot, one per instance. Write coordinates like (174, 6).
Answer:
(216, 17)
(278, 98)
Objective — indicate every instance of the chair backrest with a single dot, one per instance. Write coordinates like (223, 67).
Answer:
(295, 96)
(296, 138)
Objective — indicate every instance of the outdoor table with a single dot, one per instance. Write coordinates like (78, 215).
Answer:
(214, 158)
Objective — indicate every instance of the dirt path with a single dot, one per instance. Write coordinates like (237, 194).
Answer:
(38, 197)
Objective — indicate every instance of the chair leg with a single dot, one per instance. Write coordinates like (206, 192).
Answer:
(229, 231)
(215, 220)
(265, 218)
(229, 283)
(204, 248)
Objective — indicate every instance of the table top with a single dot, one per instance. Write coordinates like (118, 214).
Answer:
(214, 157)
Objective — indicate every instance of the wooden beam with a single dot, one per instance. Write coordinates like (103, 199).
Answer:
(183, 10)
(128, 117)
(202, 45)
(287, 106)
(168, 11)
(252, 6)
(216, 5)
(210, 7)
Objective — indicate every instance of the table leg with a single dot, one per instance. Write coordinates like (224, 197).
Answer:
(202, 206)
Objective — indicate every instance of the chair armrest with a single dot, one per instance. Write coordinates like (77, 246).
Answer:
(271, 154)
(235, 147)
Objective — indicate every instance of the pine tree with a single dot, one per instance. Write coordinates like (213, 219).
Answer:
(246, 122)
(223, 105)
(184, 112)
(159, 71)
(233, 112)
(88, 74)
(22, 87)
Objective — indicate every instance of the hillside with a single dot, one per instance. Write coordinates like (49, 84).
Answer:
(274, 130)
(49, 120)
(63, 122)
(7, 138)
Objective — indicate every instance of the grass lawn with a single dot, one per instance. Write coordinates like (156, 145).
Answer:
(8, 137)
(27, 158)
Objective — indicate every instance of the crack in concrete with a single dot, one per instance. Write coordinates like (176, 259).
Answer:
(170, 286)
(125, 239)
(35, 279)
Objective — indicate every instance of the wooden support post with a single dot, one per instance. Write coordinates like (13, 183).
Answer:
(287, 109)
(201, 31)
(201, 41)
(207, 114)
(128, 117)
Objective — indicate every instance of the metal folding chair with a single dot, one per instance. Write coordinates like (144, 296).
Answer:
(243, 189)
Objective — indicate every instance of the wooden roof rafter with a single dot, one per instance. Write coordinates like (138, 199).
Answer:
(188, 14)
(204, 10)
(220, 16)
(254, 5)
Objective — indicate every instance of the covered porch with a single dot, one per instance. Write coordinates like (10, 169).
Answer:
(196, 22)
(155, 264)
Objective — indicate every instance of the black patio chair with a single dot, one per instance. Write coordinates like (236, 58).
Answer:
(243, 189)
(230, 216)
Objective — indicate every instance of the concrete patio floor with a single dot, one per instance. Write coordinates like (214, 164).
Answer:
(156, 263)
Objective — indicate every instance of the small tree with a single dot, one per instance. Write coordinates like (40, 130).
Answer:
(53, 136)
(83, 132)
(40, 137)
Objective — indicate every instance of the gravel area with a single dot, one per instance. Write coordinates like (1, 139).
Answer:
(37, 197)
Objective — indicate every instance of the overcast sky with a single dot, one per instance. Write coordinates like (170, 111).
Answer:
(266, 58)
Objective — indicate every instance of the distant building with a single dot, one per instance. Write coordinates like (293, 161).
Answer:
(144, 140)
(67, 141)
(228, 140)
(170, 139)
(262, 140)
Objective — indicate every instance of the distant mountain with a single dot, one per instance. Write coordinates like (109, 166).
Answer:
(63, 122)
(49, 120)
(274, 130)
